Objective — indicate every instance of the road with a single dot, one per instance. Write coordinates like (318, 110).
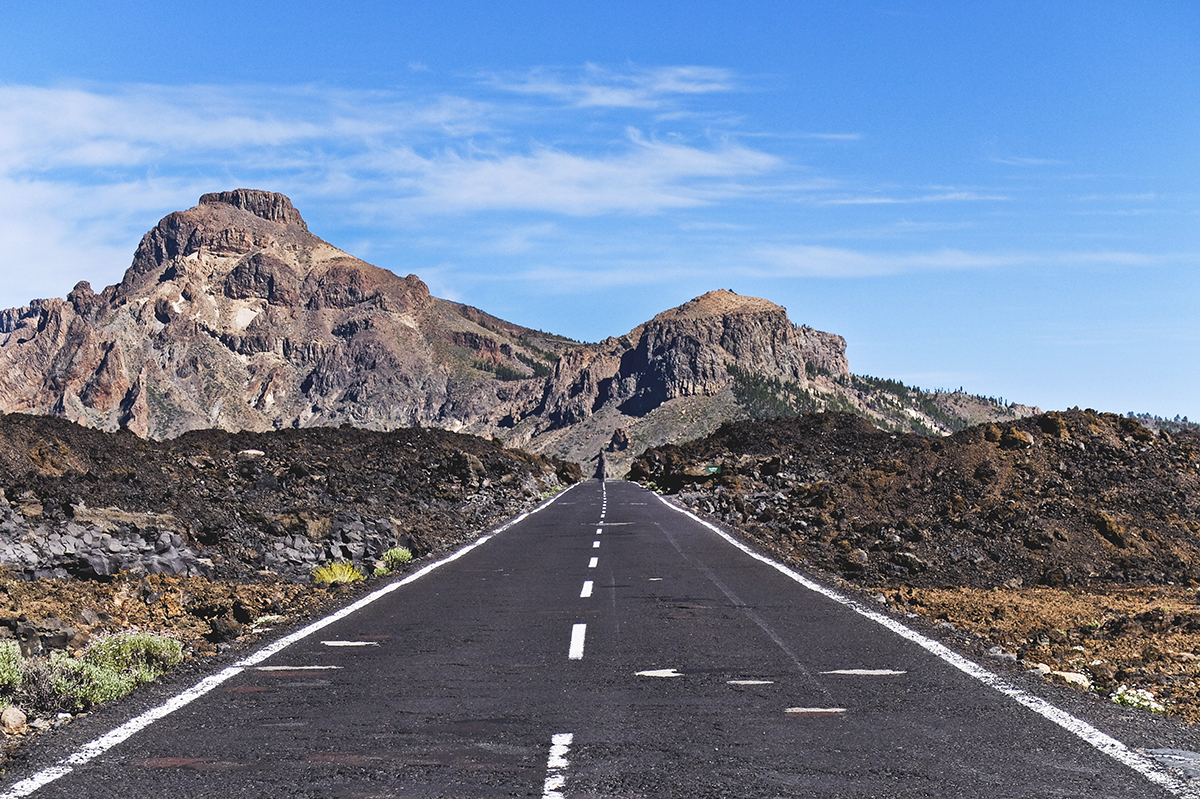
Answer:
(605, 646)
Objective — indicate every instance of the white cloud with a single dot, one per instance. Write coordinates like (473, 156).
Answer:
(648, 177)
(597, 86)
(1021, 161)
(835, 262)
(84, 170)
(949, 196)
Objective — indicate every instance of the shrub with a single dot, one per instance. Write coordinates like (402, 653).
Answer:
(1137, 697)
(136, 652)
(10, 666)
(339, 572)
(80, 684)
(396, 557)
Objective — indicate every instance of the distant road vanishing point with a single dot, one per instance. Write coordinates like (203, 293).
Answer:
(605, 645)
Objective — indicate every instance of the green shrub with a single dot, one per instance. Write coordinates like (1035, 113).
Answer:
(339, 572)
(80, 684)
(10, 666)
(136, 652)
(396, 557)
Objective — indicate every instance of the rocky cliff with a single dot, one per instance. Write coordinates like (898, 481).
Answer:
(233, 315)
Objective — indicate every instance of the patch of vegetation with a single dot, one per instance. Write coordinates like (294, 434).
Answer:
(769, 397)
(336, 572)
(500, 370)
(393, 560)
(1137, 697)
(540, 368)
(110, 667)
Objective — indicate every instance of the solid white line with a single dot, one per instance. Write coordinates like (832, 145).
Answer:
(110, 739)
(577, 634)
(593, 563)
(587, 589)
(1103, 742)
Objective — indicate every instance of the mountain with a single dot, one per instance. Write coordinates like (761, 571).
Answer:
(234, 316)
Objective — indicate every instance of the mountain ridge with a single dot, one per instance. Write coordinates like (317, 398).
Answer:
(234, 315)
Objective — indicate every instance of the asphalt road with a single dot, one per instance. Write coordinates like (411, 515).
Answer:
(607, 646)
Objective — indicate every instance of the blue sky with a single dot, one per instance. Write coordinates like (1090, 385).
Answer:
(1003, 196)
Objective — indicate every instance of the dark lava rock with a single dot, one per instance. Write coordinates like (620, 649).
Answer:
(78, 502)
(1057, 499)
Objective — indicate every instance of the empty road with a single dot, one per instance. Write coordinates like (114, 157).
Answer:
(605, 646)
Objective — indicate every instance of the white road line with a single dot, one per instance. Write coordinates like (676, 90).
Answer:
(350, 643)
(556, 766)
(593, 563)
(99, 746)
(1103, 742)
(814, 711)
(595, 545)
(658, 673)
(599, 530)
(295, 668)
(866, 672)
(751, 682)
(587, 589)
(577, 634)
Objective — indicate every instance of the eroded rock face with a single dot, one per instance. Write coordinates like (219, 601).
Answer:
(233, 315)
(684, 352)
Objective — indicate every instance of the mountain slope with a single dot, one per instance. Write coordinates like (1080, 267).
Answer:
(233, 315)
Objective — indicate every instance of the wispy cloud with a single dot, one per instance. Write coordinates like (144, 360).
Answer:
(647, 177)
(942, 197)
(596, 86)
(834, 262)
(84, 170)
(1022, 161)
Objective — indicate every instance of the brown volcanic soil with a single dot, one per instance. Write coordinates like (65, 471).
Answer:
(1064, 530)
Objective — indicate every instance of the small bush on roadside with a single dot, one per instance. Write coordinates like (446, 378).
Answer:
(396, 558)
(10, 666)
(80, 684)
(1137, 697)
(137, 652)
(111, 667)
(339, 572)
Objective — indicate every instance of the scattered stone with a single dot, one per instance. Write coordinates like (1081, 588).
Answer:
(1072, 678)
(13, 721)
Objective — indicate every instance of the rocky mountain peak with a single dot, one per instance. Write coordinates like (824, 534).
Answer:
(269, 205)
(721, 302)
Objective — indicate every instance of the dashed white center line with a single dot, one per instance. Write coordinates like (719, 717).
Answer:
(296, 668)
(587, 589)
(577, 634)
(593, 563)
(751, 682)
(865, 672)
(659, 673)
(595, 545)
(350, 643)
(556, 766)
(599, 530)
(814, 711)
